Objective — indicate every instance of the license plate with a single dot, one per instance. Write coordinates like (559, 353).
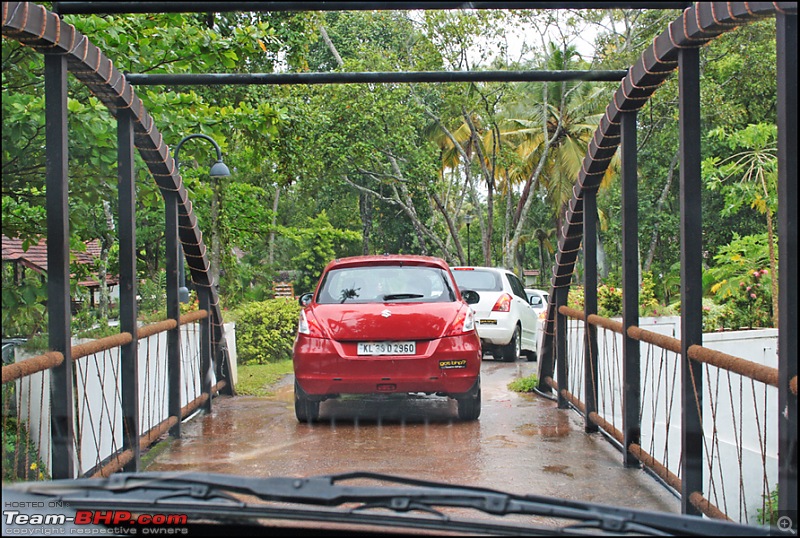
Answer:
(387, 348)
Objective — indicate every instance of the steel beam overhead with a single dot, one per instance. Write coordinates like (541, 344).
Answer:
(207, 79)
(84, 8)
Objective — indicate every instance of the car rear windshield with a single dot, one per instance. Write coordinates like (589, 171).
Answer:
(386, 283)
(478, 280)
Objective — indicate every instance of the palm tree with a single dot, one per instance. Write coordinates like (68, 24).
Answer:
(552, 137)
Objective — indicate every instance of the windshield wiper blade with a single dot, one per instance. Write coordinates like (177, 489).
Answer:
(401, 495)
(395, 296)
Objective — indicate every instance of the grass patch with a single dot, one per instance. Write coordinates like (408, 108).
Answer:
(524, 384)
(257, 379)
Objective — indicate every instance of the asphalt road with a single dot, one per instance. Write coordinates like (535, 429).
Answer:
(521, 443)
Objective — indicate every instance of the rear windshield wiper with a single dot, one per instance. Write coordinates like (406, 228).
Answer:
(217, 497)
(395, 296)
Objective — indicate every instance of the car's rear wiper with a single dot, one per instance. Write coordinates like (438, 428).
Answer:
(395, 296)
(214, 496)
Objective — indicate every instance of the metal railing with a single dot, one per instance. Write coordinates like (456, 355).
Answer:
(99, 433)
(739, 408)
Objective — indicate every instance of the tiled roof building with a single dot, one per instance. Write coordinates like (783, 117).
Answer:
(35, 258)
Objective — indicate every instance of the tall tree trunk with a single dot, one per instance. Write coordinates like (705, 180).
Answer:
(659, 205)
(487, 230)
(106, 242)
(773, 263)
(324, 33)
(274, 225)
(365, 208)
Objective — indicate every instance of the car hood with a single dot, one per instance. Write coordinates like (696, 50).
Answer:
(386, 321)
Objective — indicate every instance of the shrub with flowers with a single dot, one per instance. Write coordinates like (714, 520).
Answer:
(609, 301)
(753, 304)
(575, 297)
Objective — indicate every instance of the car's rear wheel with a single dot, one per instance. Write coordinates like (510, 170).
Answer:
(305, 409)
(511, 351)
(469, 405)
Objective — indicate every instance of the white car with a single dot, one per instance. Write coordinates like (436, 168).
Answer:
(507, 324)
(538, 300)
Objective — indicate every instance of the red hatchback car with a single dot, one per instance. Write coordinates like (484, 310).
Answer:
(387, 324)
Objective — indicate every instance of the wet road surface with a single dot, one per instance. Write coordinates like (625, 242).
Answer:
(521, 443)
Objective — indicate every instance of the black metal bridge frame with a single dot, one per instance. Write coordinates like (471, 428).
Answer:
(676, 48)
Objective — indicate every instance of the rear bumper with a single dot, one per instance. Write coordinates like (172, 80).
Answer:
(325, 368)
(495, 329)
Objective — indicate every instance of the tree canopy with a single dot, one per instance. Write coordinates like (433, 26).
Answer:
(322, 171)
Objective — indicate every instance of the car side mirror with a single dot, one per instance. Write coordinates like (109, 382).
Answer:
(470, 296)
(305, 299)
(535, 301)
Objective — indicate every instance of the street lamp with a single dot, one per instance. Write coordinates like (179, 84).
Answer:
(468, 219)
(218, 169)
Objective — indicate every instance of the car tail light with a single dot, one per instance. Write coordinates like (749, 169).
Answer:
(503, 304)
(543, 314)
(309, 326)
(464, 322)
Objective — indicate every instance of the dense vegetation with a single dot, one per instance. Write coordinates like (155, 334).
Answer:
(322, 171)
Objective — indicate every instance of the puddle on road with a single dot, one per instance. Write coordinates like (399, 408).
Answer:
(558, 469)
(502, 441)
(548, 432)
(284, 394)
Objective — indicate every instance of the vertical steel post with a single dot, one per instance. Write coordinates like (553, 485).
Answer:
(631, 374)
(691, 276)
(173, 308)
(590, 306)
(58, 291)
(787, 277)
(561, 346)
(129, 353)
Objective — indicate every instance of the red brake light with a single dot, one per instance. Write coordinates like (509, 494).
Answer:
(503, 304)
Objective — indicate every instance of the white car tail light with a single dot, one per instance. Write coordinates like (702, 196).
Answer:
(503, 303)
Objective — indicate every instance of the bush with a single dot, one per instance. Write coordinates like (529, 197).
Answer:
(769, 514)
(265, 330)
(575, 297)
(609, 301)
(524, 384)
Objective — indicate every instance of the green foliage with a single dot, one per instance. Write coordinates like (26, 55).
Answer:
(319, 242)
(87, 323)
(257, 379)
(742, 281)
(609, 301)
(754, 166)
(21, 460)
(716, 317)
(24, 310)
(575, 297)
(153, 297)
(265, 331)
(524, 384)
(768, 515)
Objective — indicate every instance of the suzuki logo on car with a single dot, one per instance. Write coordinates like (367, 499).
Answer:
(386, 313)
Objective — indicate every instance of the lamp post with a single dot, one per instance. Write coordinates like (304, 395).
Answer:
(468, 219)
(218, 169)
